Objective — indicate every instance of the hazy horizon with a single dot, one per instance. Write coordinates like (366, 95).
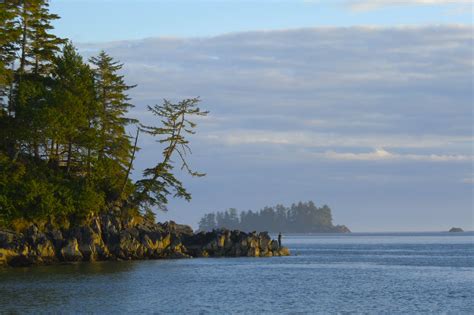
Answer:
(370, 116)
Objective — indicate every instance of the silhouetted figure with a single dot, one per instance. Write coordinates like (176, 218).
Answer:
(279, 239)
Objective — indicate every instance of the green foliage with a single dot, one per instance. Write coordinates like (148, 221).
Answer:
(37, 45)
(72, 111)
(32, 190)
(303, 217)
(26, 52)
(10, 34)
(64, 149)
(150, 216)
(113, 106)
(159, 182)
(114, 145)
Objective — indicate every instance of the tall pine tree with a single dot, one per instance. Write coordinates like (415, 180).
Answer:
(71, 118)
(9, 34)
(115, 146)
(36, 47)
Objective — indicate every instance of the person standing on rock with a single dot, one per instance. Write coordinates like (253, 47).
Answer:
(279, 240)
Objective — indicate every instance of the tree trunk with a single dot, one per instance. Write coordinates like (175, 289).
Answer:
(23, 42)
(130, 164)
(69, 153)
(36, 149)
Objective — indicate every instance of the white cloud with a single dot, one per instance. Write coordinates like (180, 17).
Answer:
(365, 5)
(301, 144)
(468, 180)
(322, 140)
(378, 154)
(382, 154)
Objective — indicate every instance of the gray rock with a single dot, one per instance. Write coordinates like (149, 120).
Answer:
(71, 252)
(107, 237)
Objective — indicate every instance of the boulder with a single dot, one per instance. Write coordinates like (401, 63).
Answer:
(253, 252)
(6, 255)
(46, 251)
(341, 229)
(130, 245)
(283, 251)
(274, 245)
(71, 252)
(264, 240)
(56, 238)
(91, 244)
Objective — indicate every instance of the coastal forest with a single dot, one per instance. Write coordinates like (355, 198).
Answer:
(67, 141)
(302, 217)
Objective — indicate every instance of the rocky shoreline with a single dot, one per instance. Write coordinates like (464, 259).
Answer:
(107, 237)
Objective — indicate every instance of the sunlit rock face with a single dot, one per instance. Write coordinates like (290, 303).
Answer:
(226, 243)
(107, 237)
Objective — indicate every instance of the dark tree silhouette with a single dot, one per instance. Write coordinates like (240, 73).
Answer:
(303, 217)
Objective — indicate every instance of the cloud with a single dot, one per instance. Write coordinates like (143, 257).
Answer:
(295, 113)
(294, 93)
(323, 89)
(322, 140)
(366, 5)
(382, 154)
(308, 145)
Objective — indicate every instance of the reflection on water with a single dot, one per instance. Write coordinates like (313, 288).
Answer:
(86, 269)
(44, 287)
(389, 273)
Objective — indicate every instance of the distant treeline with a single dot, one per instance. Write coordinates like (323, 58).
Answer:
(303, 217)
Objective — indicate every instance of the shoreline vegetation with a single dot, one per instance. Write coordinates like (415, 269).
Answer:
(67, 142)
(301, 217)
(67, 148)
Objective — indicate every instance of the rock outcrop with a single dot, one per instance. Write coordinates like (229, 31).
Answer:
(456, 230)
(108, 238)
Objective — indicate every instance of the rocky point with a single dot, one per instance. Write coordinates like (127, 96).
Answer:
(107, 237)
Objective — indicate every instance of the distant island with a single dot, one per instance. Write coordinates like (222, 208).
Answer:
(303, 217)
(456, 229)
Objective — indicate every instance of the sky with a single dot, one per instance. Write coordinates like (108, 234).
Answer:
(362, 105)
(107, 20)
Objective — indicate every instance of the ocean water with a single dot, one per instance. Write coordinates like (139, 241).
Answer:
(394, 273)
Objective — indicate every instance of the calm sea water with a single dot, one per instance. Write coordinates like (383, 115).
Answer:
(371, 273)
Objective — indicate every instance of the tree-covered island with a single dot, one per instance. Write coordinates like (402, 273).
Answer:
(66, 156)
(302, 217)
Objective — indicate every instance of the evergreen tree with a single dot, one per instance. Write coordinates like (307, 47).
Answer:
(208, 222)
(71, 118)
(220, 221)
(37, 44)
(115, 147)
(36, 47)
(44, 45)
(9, 35)
(233, 219)
(9, 32)
(159, 181)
